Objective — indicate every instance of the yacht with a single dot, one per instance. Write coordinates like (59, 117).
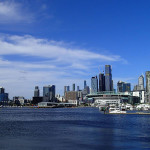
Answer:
(116, 110)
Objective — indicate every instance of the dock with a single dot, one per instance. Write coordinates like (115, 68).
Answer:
(137, 113)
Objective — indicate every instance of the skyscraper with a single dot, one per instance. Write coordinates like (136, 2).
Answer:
(73, 87)
(101, 82)
(141, 82)
(84, 84)
(108, 78)
(78, 88)
(36, 91)
(148, 82)
(94, 85)
(65, 89)
(49, 93)
(2, 90)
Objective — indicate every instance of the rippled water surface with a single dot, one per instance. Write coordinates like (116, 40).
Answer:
(71, 129)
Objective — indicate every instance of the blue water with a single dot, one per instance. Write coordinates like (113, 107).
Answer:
(71, 129)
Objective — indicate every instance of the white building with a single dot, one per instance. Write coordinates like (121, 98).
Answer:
(140, 94)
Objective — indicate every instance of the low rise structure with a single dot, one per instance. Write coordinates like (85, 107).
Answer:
(108, 98)
(19, 100)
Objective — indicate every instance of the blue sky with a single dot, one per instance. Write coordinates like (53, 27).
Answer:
(65, 41)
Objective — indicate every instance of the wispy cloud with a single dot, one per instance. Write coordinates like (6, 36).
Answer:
(29, 45)
(12, 12)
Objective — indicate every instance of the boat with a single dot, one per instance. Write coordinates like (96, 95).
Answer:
(116, 110)
(129, 107)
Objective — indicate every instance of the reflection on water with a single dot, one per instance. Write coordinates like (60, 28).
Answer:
(71, 128)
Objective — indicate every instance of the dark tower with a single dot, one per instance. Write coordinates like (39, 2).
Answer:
(101, 82)
(36, 91)
(108, 78)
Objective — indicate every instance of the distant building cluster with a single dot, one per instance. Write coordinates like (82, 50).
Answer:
(101, 91)
(48, 94)
(78, 95)
(105, 81)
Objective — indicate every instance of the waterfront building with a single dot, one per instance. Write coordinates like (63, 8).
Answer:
(73, 87)
(123, 87)
(36, 91)
(109, 97)
(101, 82)
(140, 94)
(71, 95)
(36, 100)
(19, 100)
(108, 78)
(60, 98)
(49, 93)
(3, 97)
(94, 84)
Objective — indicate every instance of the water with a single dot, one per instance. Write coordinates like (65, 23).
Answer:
(71, 129)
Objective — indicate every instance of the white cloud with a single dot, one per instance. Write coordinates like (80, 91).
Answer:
(58, 64)
(11, 12)
(28, 45)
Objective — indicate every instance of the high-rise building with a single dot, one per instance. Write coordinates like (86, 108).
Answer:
(78, 88)
(73, 87)
(147, 95)
(148, 82)
(94, 85)
(2, 90)
(65, 87)
(49, 93)
(101, 82)
(141, 82)
(140, 86)
(36, 91)
(123, 87)
(112, 85)
(68, 88)
(84, 84)
(108, 78)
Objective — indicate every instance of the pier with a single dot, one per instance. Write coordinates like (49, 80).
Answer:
(136, 113)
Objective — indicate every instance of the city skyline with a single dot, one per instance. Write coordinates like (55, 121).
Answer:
(49, 42)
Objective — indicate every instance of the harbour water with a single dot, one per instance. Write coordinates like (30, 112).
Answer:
(71, 129)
